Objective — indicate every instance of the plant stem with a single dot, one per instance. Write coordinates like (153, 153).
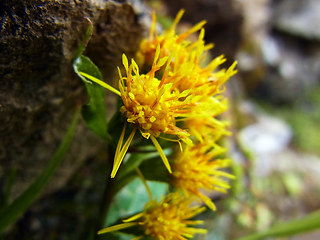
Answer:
(107, 198)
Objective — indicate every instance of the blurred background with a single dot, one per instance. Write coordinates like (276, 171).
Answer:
(274, 115)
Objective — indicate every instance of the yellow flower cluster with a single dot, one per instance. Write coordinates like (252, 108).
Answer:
(165, 220)
(179, 99)
(185, 92)
(187, 73)
(197, 172)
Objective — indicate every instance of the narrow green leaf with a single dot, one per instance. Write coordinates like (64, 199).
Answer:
(12, 176)
(11, 213)
(304, 224)
(94, 113)
(85, 39)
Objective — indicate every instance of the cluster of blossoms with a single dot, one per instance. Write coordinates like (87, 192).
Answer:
(177, 99)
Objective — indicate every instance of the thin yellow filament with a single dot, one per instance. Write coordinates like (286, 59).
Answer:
(101, 83)
(145, 183)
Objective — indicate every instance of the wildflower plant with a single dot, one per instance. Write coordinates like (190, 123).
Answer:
(170, 102)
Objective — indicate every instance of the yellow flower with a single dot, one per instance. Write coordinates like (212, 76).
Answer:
(169, 42)
(165, 220)
(188, 58)
(202, 122)
(196, 172)
(151, 105)
(187, 71)
(186, 92)
(204, 81)
(207, 87)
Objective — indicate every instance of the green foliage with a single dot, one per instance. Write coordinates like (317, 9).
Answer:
(12, 212)
(94, 113)
(85, 39)
(9, 186)
(149, 163)
(306, 128)
(154, 169)
(131, 200)
(305, 224)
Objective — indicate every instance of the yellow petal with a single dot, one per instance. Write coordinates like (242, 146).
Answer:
(117, 227)
(177, 19)
(101, 83)
(133, 218)
(125, 61)
(208, 202)
(119, 145)
(118, 159)
(162, 155)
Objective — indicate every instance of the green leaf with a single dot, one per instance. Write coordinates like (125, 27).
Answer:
(11, 178)
(127, 172)
(94, 113)
(134, 160)
(149, 163)
(155, 170)
(305, 224)
(11, 213)
(132, 198)
(85, 39)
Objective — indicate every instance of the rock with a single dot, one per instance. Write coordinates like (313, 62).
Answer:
(292, 71)
(116, 31)
(256, 15)
(276, 65)
(269, 135)
(255, 28)
(39, 91)
(299, 18)
(265, 138)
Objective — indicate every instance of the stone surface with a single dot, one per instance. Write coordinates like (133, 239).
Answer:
(39, 91)
(279, 60)
(265, 138)
(293, 68)
(299, 18)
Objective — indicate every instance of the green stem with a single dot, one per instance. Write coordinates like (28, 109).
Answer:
(20, 205)
(106, 200)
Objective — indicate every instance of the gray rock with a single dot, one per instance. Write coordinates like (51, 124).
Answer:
(39, 91)
(299, 18)
(265, 138)
(292, 70)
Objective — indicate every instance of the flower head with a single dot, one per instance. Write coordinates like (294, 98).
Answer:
(195, 170)
(166, 220)
(188, 71)
(169, 41)
(150, 103)
(203, 123)
(188, 58)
